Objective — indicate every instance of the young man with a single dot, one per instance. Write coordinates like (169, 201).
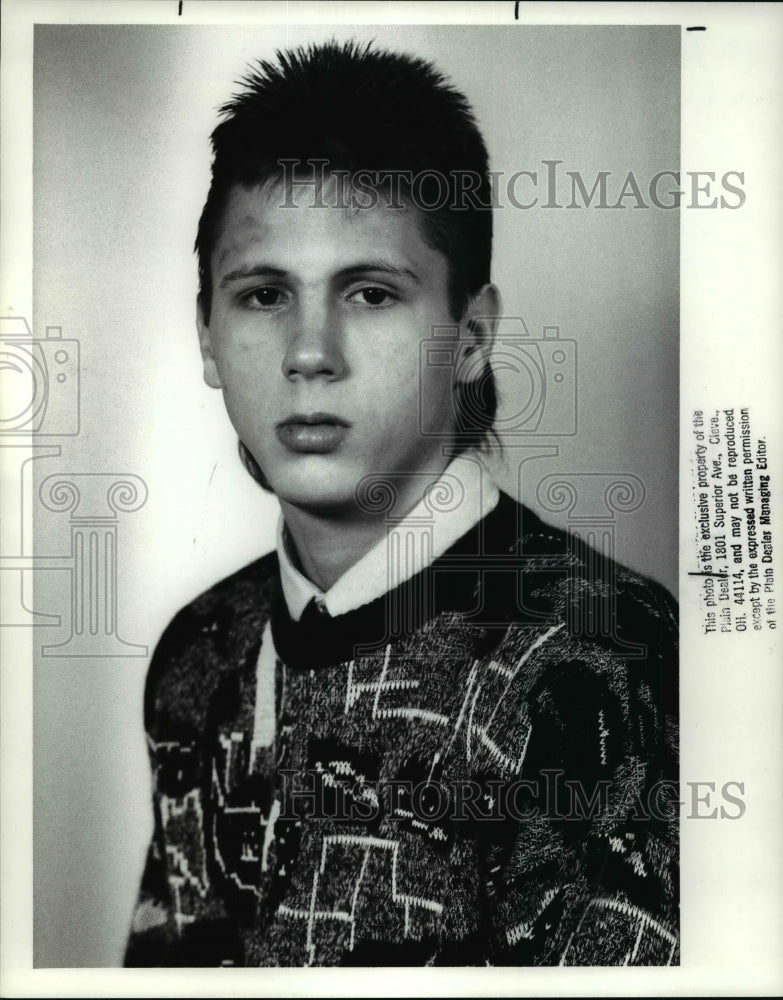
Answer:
(428, 729)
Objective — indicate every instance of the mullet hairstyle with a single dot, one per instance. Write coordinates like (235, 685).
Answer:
(365, 111)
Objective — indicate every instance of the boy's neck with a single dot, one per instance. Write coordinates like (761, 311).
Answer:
(328, 544)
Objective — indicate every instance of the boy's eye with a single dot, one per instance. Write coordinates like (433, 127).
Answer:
(373, 296)
(264, 298)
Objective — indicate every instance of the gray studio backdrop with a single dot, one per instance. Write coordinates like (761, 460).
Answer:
(149, 505)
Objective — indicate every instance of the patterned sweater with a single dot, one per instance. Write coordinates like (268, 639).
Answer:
(479, 767)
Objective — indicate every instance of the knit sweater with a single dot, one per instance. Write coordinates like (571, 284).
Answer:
(478, 767)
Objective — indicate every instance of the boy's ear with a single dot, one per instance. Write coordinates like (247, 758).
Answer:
(477, 333)
(211, 376)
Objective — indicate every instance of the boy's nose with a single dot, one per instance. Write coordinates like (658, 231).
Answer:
(315, 348)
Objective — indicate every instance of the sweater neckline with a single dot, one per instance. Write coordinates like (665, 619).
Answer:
(466, 580)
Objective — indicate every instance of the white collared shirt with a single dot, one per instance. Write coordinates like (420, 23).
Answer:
(457, 501)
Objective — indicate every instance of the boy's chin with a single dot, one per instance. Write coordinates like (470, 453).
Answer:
(330, 495)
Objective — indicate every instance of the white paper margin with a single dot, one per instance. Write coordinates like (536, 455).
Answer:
(731, 355)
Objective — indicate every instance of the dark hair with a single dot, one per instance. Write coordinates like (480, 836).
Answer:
(363, 109)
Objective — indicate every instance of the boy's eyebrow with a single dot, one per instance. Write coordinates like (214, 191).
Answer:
(252, 271)
(380, 266)
(266, 271)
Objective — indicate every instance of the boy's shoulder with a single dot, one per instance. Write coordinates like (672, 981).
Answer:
(241, 595)
(214, 635)
(604, 639)
(569, 569)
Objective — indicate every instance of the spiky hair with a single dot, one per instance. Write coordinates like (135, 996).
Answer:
(355, 105)
(361, 109)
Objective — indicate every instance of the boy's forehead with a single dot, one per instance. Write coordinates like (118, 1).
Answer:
(292, 225)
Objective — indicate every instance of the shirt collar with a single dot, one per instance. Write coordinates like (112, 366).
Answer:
(457, 501)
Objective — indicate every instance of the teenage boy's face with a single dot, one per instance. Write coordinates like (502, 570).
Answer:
(314, 337)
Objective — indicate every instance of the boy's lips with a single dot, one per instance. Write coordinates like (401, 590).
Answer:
(314, 418)
(314, 433)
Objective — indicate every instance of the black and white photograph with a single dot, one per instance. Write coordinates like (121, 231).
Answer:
(388, 565)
